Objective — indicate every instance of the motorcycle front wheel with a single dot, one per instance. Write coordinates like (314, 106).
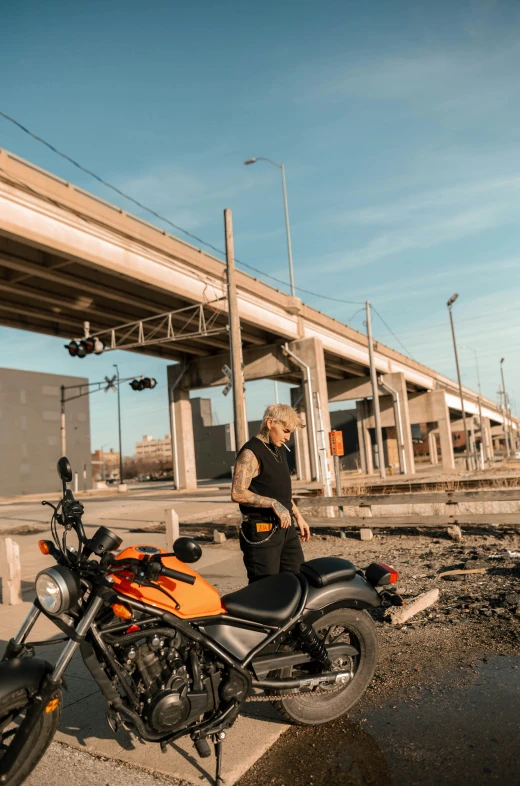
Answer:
(12, 712)
(321, 705)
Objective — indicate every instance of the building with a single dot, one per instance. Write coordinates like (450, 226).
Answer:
(149, 449)
(30, 432)
(105, 466)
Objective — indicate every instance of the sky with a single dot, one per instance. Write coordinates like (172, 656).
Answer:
(399, 127)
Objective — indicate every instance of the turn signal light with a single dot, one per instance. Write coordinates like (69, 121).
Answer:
(52, 705)
(43, 545)
(121, 611)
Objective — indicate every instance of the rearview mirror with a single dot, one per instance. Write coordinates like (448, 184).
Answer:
(187, 550)
(64, 469)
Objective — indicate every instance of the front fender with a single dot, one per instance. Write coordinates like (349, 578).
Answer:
(23, 673)
(355, 593)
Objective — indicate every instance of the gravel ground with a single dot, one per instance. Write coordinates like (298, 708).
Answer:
(437, 652)
(81, 768)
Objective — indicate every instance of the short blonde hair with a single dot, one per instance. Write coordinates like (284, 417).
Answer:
(283, 414)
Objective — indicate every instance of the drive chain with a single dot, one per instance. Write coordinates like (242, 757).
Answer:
(292, 694)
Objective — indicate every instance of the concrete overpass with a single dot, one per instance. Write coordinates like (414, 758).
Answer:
(67, 256)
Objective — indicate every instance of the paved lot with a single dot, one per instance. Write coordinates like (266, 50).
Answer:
(83, 727)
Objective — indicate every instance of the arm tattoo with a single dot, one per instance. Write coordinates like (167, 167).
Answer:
(247, 468)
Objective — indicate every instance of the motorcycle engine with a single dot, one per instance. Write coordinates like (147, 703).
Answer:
(174, 685)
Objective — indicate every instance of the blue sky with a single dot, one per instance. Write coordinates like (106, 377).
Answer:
(398, 124)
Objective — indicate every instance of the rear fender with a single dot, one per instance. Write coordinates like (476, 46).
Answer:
(23, 673)
(356, 593)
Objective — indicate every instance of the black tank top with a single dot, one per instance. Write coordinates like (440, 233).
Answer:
(274, 479)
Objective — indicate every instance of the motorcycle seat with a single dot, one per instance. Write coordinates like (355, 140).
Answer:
(272, 600)
(322, 571)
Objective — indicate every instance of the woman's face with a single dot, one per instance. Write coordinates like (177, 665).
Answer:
(278, 433)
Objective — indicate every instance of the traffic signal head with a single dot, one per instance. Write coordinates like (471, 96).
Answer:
(72, 347)
(80, 348)
(143, 384)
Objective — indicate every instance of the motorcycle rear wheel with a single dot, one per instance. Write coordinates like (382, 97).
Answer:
(340, 626)
(12, 711)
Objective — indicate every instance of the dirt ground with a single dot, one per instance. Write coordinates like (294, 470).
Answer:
(476, 618)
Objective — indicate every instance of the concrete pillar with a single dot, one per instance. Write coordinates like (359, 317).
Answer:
(310, 352)
(443, 422)
(397, 382)
(181, 426)
(432, 444)
(365, 443)
(301, 440)
(487, 440)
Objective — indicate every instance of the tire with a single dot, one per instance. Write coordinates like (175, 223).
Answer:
(310, 709)
(12, 708)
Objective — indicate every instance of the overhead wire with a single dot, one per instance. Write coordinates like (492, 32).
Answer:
(162, 218)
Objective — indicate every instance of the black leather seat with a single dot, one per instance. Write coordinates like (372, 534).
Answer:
(272, 600)
(322, 571)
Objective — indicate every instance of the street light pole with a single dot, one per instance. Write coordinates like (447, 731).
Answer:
(507, 431)
(119, 423)
(286, 209)
(450, 303)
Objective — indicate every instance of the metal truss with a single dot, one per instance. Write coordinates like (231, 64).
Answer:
(160, 329)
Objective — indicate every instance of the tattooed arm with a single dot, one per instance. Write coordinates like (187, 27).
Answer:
(247, 467)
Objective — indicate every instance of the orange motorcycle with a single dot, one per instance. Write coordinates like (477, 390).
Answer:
(172, 657)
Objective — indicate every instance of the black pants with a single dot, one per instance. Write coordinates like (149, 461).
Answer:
(269, 553)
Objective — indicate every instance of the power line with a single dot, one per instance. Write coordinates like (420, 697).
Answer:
(393, 334)
(157, 215)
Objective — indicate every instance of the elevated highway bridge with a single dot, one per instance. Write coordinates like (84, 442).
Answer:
(67, 257)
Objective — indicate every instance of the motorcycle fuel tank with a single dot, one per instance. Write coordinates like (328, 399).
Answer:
(195, 600)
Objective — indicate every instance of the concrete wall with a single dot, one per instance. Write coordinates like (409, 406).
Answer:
(30, 432)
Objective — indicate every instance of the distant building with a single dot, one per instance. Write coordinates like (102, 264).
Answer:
(105, 466)
(149, 449)
(30, 430)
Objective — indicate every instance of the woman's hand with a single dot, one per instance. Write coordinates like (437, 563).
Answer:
(305, 532)
(282, 513)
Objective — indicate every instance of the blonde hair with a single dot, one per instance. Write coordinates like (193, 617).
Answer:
(283, 414)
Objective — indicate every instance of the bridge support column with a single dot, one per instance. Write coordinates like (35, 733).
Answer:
(181, 426)
(442, 416)
(310, 352)
(301, 437)
(365, 443)
(487, 440)
(432, 445)
(397, 383)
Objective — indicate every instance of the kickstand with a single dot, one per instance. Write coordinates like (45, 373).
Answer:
(218, 738)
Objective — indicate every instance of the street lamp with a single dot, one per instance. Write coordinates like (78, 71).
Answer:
(287, 225)
(119, 422)
(507, 432)
(450, 303)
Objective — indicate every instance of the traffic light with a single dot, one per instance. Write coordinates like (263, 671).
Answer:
(145, 383)
(86, 346)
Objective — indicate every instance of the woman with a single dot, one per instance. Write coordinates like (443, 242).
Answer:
(272, 525)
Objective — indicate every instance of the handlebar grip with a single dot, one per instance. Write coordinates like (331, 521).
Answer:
(177, 575)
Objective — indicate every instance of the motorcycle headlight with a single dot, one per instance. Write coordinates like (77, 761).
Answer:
(57, 589)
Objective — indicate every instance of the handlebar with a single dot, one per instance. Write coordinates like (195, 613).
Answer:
(177, 575)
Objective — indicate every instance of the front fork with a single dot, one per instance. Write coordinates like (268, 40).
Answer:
(49, 684)
(15, 646)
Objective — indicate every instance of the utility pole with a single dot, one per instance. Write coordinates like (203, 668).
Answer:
(450, 303)
(121, 481)
(507, 431)
(375, 395)
(239, 400)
